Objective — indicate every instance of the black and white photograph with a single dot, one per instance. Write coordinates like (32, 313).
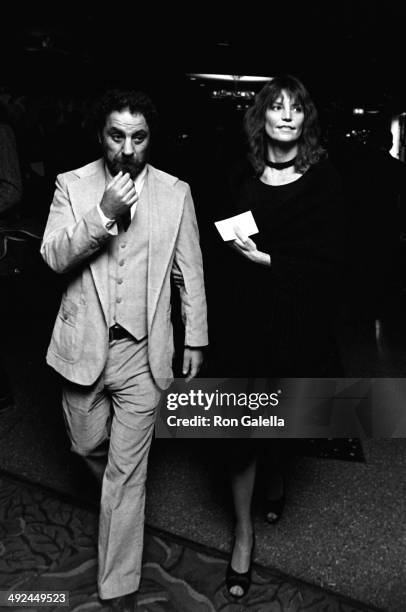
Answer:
(203, 298)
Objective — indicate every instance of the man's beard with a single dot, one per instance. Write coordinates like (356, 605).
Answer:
(132, 166)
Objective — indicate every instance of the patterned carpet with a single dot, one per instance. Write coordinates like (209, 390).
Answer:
(48, 544)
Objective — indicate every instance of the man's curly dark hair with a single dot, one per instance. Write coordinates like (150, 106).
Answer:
(119, 100)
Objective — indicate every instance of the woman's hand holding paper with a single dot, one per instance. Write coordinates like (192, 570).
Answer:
(247, 247)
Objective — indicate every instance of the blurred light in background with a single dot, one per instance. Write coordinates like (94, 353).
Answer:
(229, 77)
(395, 129)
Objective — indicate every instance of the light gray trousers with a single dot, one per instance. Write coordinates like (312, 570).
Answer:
(125, 393)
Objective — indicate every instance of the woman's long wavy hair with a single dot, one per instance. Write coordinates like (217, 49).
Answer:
(309, 149)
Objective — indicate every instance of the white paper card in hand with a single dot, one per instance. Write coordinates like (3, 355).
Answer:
(245, 221)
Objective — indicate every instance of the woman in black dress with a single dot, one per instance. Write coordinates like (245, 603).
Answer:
(287, 274)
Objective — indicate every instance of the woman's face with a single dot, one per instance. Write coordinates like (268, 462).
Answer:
(284, 119)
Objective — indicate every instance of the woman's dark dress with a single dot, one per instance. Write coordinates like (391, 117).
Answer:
(285, 312)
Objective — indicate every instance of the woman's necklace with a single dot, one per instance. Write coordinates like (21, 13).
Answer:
(281, 165)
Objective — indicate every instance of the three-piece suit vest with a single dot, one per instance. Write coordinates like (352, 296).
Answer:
(128, 272)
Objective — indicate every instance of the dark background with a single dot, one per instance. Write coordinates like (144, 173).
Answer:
(348, 51)
(348, 55)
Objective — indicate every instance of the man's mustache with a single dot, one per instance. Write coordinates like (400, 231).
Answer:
(132, 166)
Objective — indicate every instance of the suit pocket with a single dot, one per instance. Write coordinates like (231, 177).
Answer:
(68, 312)
(67, 339)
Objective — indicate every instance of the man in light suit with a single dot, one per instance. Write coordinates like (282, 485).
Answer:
(119, 229)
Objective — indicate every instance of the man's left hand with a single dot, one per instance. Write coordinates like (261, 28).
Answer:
(192, 362)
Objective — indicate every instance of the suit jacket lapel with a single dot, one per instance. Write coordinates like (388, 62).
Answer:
(85, 195)
(165, 213)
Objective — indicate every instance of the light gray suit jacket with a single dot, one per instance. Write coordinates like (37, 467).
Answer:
(75, 243)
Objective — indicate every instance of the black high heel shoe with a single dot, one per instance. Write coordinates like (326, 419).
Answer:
(240, 579)
(274, 507)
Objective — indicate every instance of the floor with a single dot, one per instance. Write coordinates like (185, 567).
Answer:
(49, 544)
(344, 524)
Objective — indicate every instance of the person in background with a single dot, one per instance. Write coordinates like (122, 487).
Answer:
(11, 190)
(382, 221)
(10, 196)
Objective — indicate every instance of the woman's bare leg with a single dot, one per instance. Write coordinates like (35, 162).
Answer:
(242, 483)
